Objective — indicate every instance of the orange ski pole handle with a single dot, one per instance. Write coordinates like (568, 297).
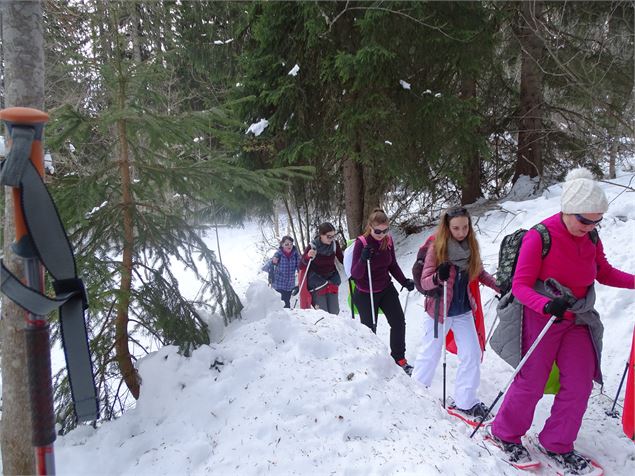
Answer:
(26, 116)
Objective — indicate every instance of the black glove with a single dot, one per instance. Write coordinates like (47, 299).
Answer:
(556, 307)
(409, 284)
(443, 271)
(367, 253)
(295, 290)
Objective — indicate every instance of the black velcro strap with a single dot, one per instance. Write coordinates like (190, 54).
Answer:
(28, 298)
(54, 251)
(73, 286)
(18, 157)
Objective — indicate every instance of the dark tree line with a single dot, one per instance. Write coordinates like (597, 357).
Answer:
(495, 90)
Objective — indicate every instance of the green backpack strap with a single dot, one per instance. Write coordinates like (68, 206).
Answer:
(545, 237)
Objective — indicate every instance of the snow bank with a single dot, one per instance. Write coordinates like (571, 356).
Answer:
(292, 392)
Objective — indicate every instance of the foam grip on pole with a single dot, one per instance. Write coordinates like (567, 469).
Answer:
(40, 388)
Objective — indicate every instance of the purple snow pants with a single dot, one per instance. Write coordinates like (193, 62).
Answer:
(570, 346)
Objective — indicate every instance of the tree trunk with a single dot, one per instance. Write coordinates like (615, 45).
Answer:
(353, 196)
(134, 32)
(373, 191)
(122, 351)
(471, 187)
(530, 131)
(613, 157)
(23, 48)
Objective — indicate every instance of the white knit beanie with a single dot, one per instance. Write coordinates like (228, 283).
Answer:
(582, 194)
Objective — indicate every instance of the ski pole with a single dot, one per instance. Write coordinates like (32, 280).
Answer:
(491, 330)
(612, 412)
(306, 273)
(26, 128)
(520, 366)
(445, 320)
(372, 298)
(405, 307)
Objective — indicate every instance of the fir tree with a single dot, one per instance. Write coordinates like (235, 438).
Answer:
(140, 176)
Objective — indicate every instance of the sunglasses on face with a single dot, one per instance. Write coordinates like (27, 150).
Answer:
(377, 231)
(586, 221)
(287, 243)
(330, 237)
(457, 212)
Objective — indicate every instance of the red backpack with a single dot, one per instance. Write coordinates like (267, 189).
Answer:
(417, 269)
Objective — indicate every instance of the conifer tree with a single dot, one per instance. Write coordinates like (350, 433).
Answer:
(140, 175)
(377, 99)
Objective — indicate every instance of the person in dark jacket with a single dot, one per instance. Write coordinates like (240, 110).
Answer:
(282, 268)
(380, 252)
(323, 279)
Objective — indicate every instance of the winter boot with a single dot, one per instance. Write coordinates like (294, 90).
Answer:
(403, 363)
(572, 462)
(515, 453)
(478, 411)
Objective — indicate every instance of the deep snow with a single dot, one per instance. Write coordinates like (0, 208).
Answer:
(304, 392)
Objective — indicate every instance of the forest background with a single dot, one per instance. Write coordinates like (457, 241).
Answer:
(169, 117)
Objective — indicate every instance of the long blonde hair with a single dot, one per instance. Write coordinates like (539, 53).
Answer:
(443, 235)
(377, 217)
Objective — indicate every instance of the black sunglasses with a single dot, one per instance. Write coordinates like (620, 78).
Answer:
(377, 231)
(330, 237)
(586, 221)
(457, 212)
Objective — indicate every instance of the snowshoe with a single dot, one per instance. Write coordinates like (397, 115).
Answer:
(472, 416)
(513, 454)
(570, 463)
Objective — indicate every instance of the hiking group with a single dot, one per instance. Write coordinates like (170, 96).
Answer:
(549, 327)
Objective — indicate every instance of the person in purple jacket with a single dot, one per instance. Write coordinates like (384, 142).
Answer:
(574, 342)
(380, 251)
(283, 267)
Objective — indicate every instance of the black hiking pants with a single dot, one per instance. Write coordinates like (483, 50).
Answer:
(285, 296)
(388, 301)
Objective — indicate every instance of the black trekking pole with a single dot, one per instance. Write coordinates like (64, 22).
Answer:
(405, 307)
(26, 127)
(520, 366)
(612, 413)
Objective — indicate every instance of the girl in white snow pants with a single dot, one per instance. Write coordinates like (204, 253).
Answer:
(454, 259)
(468, 375)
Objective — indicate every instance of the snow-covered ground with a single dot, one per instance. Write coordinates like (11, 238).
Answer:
(304, 392)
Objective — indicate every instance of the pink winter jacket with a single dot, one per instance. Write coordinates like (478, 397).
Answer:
(574, 261)
(429, 269)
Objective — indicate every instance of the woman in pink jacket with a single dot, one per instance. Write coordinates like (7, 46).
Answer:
(454, 258)
(575, 260)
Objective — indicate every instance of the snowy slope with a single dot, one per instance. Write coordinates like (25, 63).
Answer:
(304, 392)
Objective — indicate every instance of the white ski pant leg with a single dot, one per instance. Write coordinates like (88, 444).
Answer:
(429, 352)
(468, 373)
